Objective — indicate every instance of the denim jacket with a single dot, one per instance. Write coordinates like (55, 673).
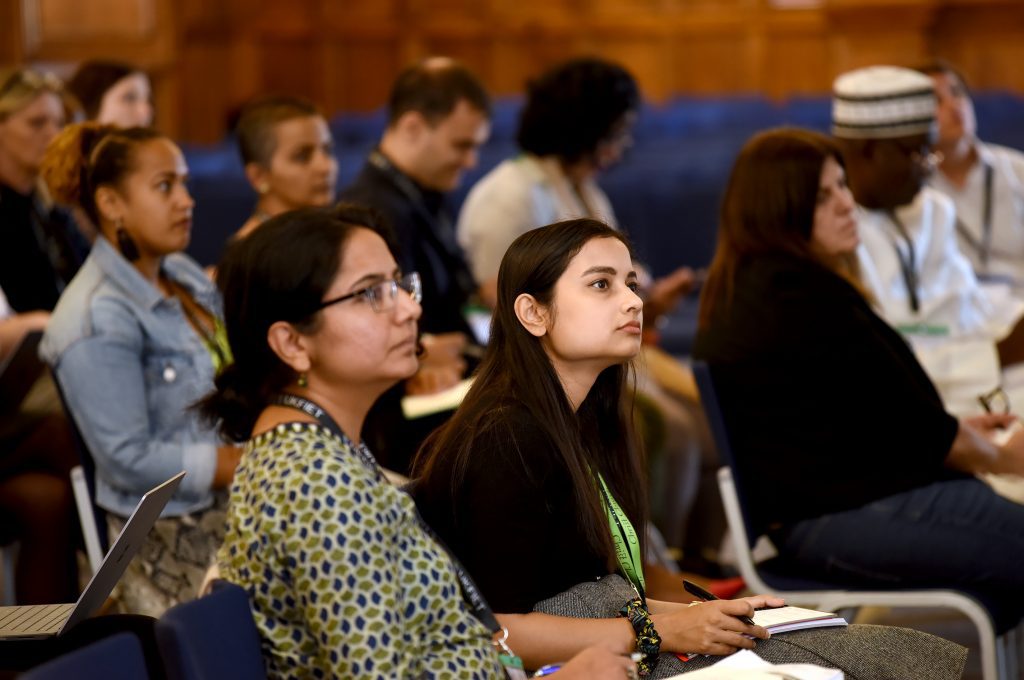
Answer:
(130, 366)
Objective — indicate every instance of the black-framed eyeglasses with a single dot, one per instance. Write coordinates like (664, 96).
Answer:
(382, 295)
(995, 401)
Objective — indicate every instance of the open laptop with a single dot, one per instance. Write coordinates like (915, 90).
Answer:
(48, 620)
(20, 371)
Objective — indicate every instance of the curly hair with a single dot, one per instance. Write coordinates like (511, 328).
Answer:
(572, 108)
(86, 156)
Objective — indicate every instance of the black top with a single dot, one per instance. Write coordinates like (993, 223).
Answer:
(41, 252)
(424, 236)
(826, 406)
(512, 521)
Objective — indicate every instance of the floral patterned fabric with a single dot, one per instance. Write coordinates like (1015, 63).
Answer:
(343, 579)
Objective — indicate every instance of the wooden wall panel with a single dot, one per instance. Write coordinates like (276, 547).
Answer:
(208, 58)
(351, 79)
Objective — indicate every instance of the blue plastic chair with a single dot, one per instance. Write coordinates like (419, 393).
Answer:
(118, 657)
(211, 638)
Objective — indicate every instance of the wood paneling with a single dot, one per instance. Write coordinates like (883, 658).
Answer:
(209, 57)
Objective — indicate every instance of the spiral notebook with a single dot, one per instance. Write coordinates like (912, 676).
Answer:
(786, 619)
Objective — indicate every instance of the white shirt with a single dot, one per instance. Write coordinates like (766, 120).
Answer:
(959, 320)
(518, 195)
(1006, 246)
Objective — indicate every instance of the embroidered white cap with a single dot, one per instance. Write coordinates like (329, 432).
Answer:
(882, 102)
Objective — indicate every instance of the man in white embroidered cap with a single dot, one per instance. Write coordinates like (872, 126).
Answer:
(884, 119)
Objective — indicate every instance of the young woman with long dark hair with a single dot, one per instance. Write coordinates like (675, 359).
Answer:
(345, 580)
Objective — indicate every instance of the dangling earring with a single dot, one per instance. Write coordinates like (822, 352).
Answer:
(302, 382)
(125, 243)
(263, 188)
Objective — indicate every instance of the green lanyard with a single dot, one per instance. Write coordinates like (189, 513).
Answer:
(627, 546)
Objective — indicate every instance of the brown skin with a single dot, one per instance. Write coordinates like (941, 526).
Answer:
(153, 206)
(957, 127)
(884, 174)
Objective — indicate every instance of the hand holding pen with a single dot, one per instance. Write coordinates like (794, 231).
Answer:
(714, 627)
(707, 596)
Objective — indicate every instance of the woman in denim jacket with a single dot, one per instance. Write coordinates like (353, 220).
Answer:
(135, 339)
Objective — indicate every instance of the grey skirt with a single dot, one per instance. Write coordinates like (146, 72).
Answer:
(862, 652)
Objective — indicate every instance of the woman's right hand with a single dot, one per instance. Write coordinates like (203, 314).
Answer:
(709, 628)
(598, 663)
(228, 458)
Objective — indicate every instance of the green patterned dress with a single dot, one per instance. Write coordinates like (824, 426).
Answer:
(343, 580)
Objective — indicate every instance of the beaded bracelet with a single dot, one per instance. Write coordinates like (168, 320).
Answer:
(648, 642)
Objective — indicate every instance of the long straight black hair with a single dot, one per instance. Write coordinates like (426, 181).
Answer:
(597, 438)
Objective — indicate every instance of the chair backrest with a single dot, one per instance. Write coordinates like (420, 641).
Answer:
(88, 467)
(118, 657)
(212, 637)
(702, 373)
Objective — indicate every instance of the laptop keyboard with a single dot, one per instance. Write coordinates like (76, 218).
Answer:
(44, 618)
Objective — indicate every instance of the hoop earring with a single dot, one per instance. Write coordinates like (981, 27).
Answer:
(302, 381)
(125, 243)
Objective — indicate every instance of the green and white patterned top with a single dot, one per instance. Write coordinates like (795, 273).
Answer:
(342, 578)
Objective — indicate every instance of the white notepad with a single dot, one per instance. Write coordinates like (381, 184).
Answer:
(786, 619)
(745, 665)
(427, 404)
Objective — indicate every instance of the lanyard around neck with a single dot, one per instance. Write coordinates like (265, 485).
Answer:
(408, 188)
(907, 265)
(470, 592)
(984, 248)
(627, 545)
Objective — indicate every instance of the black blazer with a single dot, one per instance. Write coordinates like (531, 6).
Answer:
(826, 405)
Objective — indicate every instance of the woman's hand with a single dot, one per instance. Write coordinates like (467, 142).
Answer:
(712, 627)
(1012, 450)
(990, 443)
(441, 366)
(664, 293)
(598, 663)
(990, 423)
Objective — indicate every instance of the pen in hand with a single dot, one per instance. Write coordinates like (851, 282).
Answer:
(697, 591)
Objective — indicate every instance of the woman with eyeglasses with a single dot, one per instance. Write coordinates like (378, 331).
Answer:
(855, 469)
(135, 340)
(345, 580)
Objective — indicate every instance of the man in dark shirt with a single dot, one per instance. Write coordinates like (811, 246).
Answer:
(438, 117)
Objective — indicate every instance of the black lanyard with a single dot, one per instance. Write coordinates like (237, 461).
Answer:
(907, 267)
(470, 592)
(984, 249)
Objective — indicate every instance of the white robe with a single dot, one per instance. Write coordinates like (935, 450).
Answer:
(959, 320)
(521, 194)
(1006, 249)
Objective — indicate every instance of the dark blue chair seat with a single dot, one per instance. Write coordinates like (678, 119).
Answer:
(118, 657)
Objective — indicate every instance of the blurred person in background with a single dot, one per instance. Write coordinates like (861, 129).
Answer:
(288, 154)
(135, 340)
